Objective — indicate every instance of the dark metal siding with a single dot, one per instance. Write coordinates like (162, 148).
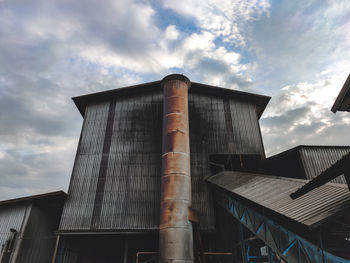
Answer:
(318, 159)
(39, 239)
(130, 196)
(131, 193)
(218, 125)
(10, 217)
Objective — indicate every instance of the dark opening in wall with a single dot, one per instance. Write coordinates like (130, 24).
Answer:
(234, 162)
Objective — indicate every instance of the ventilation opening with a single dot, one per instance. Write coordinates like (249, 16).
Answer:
(234, 162)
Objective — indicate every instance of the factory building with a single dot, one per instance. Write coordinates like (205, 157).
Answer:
(175, 171)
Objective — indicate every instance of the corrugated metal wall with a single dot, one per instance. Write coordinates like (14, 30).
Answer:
(119, 157)
(129, 188)
(10, 217)
(318, 159)
(39, 239)
(218, 125)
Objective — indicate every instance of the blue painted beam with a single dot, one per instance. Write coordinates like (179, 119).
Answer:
(288, 245)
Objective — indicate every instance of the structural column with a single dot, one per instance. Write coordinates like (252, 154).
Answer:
(175, 234)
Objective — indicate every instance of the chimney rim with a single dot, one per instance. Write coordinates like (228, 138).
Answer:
(176, 77)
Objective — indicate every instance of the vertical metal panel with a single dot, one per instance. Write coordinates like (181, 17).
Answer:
(216, 128)
(79, 205)
(317, 159)
(10, 217)
(132, 183)
(38, 239)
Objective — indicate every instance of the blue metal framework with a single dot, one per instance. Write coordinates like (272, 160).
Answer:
(288, 245)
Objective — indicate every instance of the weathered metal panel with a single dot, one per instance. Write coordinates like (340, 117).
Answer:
(226, 125)
(78, 208)
(10, 217)
(131, 191)
(274, 193)
(216, 128)
(317, 159)
(130, 197)
(38, 240)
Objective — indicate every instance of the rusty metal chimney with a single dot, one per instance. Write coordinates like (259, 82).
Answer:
(175, 230)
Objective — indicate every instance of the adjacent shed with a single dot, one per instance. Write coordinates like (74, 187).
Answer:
(27, 227)
(305, 161)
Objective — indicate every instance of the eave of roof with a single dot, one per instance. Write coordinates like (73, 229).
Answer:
(273, 193)
(260, 101)
(57, 194)
(342, 102)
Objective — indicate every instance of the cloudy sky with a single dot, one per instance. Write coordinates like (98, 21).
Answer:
(298, 52)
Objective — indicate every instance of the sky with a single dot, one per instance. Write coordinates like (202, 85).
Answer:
(296, 51)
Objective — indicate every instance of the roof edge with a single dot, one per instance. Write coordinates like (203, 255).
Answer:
(298, 147)
(34, 197)
(260, 100)
(341, 96)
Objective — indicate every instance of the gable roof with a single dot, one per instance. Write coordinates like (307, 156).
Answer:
(342, 102)
(273, 193)
(260, 101)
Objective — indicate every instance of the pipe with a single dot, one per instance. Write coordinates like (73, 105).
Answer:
(175, 230)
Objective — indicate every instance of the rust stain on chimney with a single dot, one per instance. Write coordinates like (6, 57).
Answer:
(175, 234)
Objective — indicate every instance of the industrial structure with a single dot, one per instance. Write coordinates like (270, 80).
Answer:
(28, 226)
(175, 171)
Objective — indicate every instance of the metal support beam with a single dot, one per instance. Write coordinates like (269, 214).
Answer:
(289, 246)
(55, 250)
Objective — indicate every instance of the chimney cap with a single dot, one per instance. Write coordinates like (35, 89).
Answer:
(176, 77)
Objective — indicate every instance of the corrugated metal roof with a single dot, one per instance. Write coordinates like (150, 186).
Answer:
(274, 193)
(326, 176)
(305, 161)
(317, 159)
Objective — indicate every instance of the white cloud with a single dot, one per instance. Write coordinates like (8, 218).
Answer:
(223, 18)
(300, 114)
(171, 32)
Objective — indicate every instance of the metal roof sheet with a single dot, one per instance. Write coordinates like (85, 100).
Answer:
(318, 159)
(305, 161)
(332, 172)
(273, 193)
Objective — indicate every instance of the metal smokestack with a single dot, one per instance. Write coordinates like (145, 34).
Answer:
(175, 230)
